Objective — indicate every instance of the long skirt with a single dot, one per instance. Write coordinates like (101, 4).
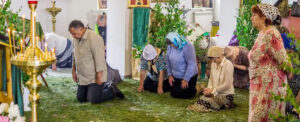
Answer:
(212, 103)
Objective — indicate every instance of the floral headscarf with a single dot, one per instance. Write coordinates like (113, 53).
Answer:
(178, 40)
(270, 11)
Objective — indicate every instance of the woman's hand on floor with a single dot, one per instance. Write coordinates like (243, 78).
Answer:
(141, 88)
(160, 90)
(54, 67)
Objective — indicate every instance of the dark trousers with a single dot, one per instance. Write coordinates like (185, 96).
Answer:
(178, 92)
(151, 85)
(95, 93)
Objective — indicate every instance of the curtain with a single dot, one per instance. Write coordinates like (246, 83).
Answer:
(16, 83)
(140, 26)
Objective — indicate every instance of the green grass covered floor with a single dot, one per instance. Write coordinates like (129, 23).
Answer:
(58, 104)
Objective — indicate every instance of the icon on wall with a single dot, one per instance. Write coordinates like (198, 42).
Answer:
(154, 1)
(102, 4)
(202, 3)
(139, 3)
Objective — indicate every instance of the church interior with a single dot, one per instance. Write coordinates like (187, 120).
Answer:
(149, 60)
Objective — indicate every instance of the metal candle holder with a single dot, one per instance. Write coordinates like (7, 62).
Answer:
(33, 61)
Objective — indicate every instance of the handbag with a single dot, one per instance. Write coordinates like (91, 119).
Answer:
(296, 9)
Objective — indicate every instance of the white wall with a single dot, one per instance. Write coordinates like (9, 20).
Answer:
(116, 23)
(71, 9)
(228, 13)
(43, 16)
(79, 10)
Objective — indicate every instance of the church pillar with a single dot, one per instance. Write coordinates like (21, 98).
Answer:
(116, 34)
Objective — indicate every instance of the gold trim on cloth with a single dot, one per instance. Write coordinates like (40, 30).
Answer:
(4, 98)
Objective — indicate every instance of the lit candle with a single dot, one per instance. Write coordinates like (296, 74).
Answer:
(23, 18)
(9, 40)
(52, 53)
(46, 47)
(13, 40)
(21, 45)
(36, 40)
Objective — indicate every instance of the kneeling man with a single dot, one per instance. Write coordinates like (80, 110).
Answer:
(89, 66)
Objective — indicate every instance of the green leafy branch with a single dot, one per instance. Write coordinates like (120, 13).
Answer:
(137, 51)
(293, 57)
(244, 30)
(162, 24)
(10, 19)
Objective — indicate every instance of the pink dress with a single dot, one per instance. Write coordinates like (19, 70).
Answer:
(265, 76)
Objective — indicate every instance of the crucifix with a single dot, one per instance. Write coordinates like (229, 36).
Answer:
(53, 11)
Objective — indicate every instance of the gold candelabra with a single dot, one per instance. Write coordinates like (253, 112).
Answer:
(53, 11)
(33, 61)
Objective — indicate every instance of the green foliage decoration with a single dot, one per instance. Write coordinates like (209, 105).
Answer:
(244, 30)
(293, 57)
(10, 19)
(163, 23)
(137, 52)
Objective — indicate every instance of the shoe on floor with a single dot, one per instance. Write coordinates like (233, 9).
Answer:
(117, 91)
(120, 94)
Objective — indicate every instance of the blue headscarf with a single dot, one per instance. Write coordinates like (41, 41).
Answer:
(178, 40)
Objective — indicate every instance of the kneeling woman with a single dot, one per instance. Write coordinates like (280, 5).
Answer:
(181, 66)
(219, 93)
(153, 62)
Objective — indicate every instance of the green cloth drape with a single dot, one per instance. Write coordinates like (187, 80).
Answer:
(4, 85)
(17, 88)
(16, 84)
(140, 26)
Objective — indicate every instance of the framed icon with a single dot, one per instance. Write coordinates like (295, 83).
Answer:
(102, 4)
(139, 3)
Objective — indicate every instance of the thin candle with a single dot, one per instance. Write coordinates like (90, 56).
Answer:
(52, 53)
(37, 40)
(13, 40)
(9, 40)
(21, 45)
(23, 18)
(46, 45)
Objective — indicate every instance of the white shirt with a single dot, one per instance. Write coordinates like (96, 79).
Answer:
(221, 78)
